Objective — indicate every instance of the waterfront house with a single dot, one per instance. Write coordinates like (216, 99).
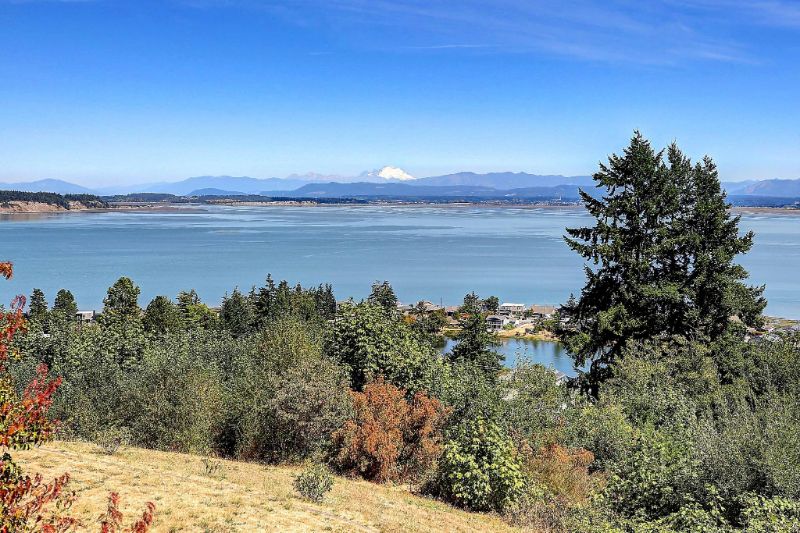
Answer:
(495, 323)
(511, 309)
(430, 307)
(452, 311)
(541, 312)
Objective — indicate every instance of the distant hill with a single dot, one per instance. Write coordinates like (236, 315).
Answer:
(48, 185)
(364, 189)
(393, 182)
(241, 184)
(503, 180)
(215, 192)
(775, 188)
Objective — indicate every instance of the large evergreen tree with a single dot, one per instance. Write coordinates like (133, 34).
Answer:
(661, 257)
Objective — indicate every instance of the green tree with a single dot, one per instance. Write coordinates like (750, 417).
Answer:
(661, 253)
(326, 301)
(492, 304)
(122, 299)
(195, 314)
(373, 343)
(162, 316)
(474, 343)
(65, 305)
(237, 314)
(263, 300)
(429, 324)
(383, 295)
(121, 323)
(37, 307)
(716, 283)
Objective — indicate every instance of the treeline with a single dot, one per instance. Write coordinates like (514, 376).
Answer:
(50, 198)
(680, 424)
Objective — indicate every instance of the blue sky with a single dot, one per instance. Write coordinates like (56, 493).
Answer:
(109, 91)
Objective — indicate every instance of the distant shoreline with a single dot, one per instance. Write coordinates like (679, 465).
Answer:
(33, 208)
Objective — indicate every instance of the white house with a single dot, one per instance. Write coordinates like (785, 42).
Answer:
(84, 317)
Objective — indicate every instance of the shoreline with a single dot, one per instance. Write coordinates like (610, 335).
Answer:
(158, 207)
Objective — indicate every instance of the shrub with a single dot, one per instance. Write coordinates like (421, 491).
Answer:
(285, 398)
(373, 343)
(388, 437)
(112, 521)
(535, 404)
(314, 482)
(602, 429)
(173, 401)
(656, 479)
(479, 469)
(111, 439)
(770, 515)
(211, 466)
(563, 472)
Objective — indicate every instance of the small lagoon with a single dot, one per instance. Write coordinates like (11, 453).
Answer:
(547, 353)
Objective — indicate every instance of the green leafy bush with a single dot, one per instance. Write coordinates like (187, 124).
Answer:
(371, 343)
(314, 482)
(479, 469)
(657, 478)
(770, 515)
(284, 398)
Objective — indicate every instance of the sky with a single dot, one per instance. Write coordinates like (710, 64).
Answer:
(105, 92)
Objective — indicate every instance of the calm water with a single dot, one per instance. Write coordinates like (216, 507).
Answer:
(549, 354)
(434, 253)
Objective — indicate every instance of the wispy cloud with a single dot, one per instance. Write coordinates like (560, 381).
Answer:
(635, 31)
(651, 32)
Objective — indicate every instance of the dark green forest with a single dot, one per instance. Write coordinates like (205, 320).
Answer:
(51, 198)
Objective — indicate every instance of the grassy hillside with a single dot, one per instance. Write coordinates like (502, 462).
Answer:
(236, 496)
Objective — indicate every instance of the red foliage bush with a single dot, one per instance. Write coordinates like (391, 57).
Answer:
(112, 522)
(389, 438)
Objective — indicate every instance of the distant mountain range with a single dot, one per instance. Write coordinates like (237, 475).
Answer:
(397, 183)
(57, 186)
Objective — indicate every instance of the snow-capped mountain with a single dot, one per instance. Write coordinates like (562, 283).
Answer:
(387, 173)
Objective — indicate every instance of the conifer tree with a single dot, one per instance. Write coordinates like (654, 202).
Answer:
(474, 343)
(65, 304)
(162, 316)
(660, 258)
(37, 307)
(237, 314)
(383, 294)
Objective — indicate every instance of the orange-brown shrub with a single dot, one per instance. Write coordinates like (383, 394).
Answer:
(389, 438)
(564, 472)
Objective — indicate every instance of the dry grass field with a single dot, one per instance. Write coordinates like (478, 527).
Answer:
(196, 495)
